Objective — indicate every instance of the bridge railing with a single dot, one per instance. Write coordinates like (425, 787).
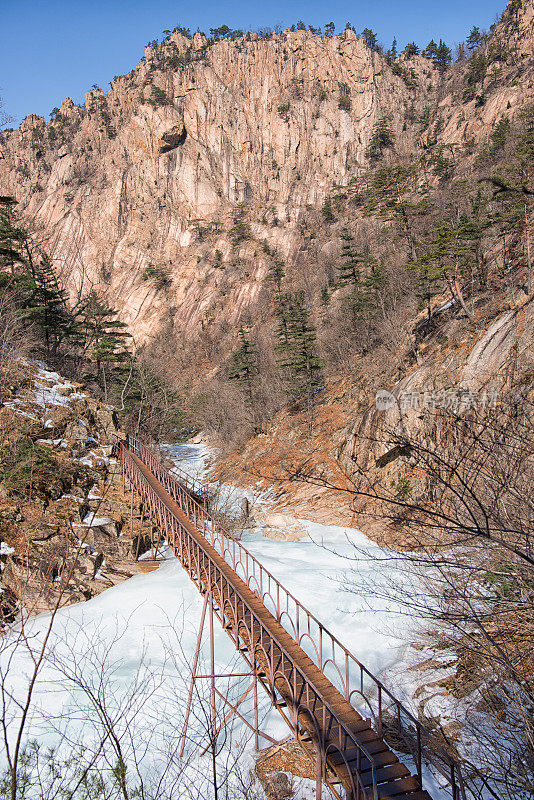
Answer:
(150, 458)
(272, 655)
(366, 693)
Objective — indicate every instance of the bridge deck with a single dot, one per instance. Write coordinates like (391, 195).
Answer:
(362, 761)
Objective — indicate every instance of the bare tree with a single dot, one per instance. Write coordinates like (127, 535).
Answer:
(15, 708)
(455, 488)
(118, 736)
(5, 119)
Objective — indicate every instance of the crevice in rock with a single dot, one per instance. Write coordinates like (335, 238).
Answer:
(172, 139)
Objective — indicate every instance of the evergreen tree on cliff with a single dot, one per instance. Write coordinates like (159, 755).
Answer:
(297, 346)
(47, 306)
(244, 366)
(514, 186)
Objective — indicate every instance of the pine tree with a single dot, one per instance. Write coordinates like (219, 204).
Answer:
(358, 269)
(102, 338)
(514, 187)
(349, 268)
(448, 257)
(366, 278)
(443, 57)
(382, 139)
(369, 38)
(327, 210)
(276, 274)
(478, 68)
(244, 366)
(427, 281)
(47, 306)
(475, 39)
(93, 329)
(431, 49)
(390, 194)
(500, 133)
(240, 230)
(411, 49)
(32, 284)
(12, 236)
(476, 226)
(220, 33)
(281, 312)
(297, 341)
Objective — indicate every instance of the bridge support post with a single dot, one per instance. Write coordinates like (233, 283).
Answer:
(140, 534)
(256, 720)
(319, 774)
(215, 728)
(193, 674)
(212, 674)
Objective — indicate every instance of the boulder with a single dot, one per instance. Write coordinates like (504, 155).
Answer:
(76, 430)
(278, 786)
(107, 423)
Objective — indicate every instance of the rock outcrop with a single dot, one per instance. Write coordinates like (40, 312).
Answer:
(144, 180)
(65, 530)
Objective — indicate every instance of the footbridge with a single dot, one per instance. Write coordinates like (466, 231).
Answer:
(358, 731)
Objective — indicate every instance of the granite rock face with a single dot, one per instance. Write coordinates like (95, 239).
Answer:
(136, 193)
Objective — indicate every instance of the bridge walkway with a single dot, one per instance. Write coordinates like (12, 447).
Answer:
(349, 748)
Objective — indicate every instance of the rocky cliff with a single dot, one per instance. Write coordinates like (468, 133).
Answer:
(65, 532)
(139, 192)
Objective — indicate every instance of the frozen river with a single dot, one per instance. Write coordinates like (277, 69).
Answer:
(116, 670)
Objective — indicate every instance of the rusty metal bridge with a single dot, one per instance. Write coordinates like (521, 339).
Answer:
(330, 701)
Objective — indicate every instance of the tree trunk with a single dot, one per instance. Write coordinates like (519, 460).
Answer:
(456, 289)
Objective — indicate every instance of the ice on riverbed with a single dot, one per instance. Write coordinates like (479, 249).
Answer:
(319, 571)
(192, 459)
(135, 644)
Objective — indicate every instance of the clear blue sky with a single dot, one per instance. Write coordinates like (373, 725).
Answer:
(51, 49)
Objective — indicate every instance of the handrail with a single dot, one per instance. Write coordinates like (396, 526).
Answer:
(190, 483)
(344, 670)
(188, 542)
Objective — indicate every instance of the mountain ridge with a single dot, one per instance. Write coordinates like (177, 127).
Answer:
(141, 190)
